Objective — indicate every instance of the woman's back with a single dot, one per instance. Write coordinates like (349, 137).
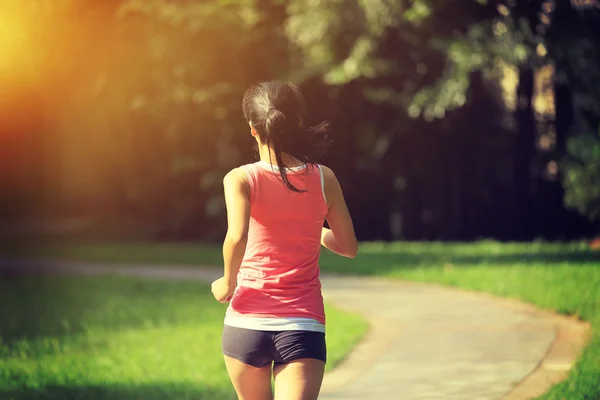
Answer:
(279, 275)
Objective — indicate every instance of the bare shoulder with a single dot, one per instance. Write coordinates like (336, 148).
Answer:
(236, 177)
(328, 174)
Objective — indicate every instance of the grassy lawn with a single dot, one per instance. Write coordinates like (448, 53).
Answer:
(560, 277)
(122, 338)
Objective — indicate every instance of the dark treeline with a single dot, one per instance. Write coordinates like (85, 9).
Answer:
(449, 123)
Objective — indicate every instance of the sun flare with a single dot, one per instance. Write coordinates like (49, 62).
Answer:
(16, 51)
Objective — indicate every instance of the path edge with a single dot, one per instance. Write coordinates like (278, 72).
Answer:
(572, 336)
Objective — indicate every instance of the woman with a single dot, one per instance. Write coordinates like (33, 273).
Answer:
(276, 208)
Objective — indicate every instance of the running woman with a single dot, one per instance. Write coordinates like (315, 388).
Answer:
(275, 323)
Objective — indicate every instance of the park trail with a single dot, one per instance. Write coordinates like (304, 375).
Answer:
(425, 342)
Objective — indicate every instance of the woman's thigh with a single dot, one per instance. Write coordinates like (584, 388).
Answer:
(300, 379)
(249, 382)
(299, 367)
(248, 358)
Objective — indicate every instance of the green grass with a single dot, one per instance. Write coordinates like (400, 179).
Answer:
(155, 253)
(560, 277)
(122, 338)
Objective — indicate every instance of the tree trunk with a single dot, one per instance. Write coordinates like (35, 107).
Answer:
(562, 124)
(524, 154)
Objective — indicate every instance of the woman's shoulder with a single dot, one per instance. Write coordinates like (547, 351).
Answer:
(237, 175)
(328, 173)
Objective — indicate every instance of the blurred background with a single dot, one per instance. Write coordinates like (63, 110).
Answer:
(452, 120)
(458, 126)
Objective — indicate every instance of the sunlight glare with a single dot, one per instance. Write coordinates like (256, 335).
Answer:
(16, 53)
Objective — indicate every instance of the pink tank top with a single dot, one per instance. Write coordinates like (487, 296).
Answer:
(279, 275)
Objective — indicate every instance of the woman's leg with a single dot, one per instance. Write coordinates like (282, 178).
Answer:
(250, 383)
(300, 358)
(248, 357)
(299, 380)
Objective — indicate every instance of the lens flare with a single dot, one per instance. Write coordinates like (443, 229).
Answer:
(16, 52)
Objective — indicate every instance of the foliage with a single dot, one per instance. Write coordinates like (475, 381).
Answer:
(572, 46)
(467, 44)
(582, 179)
(141, 104)
(152, 121)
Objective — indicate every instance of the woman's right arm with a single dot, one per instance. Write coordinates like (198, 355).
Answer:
(341, 238)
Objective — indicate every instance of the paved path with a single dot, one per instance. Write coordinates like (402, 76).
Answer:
(426, 342)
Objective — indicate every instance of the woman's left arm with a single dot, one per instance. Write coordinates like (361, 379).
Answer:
(237, 201)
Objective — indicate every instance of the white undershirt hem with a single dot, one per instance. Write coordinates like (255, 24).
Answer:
(275, 324)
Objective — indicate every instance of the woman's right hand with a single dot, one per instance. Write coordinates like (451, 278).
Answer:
(222, 290)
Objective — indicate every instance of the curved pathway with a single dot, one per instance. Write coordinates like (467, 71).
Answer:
(426, 342)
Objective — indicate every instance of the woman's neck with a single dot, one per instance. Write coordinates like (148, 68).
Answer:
(268, 155)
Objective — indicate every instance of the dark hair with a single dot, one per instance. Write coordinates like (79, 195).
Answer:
(276, 110)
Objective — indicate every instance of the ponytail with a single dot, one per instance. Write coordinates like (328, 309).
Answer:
(276, 110)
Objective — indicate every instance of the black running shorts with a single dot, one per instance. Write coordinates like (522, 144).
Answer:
(261, 348)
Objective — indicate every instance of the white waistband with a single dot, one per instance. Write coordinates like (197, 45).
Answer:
(275, 324)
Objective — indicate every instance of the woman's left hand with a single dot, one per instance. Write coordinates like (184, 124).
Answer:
(222, 290)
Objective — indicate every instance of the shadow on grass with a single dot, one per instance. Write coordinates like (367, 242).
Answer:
(155, 391)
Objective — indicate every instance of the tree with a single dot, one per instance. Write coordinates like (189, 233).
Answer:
(572, 45)
(148, 119)
(149, 109)
(582, 179)
(480, 36)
